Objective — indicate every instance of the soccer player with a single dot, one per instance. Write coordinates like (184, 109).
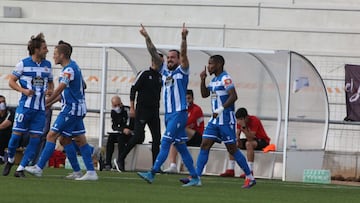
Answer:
(194, 130)
(175, 77)
(256, 139)
(35, 78)
(69, 123)
(221, 126)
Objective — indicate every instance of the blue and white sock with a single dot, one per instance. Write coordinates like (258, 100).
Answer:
(85, 151)
(72, 156)
(13, 144)
(201, 161)
(241, 161)
(162, 156)
(29, 152)
(187, 159)
(46, 154)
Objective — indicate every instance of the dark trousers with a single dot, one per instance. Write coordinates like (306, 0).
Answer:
(152, 119)
(4, 140)
(113, 138)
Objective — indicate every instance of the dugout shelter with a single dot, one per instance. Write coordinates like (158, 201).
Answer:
(281, 87)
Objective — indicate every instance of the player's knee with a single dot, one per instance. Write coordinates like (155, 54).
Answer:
(206, 144)
(64, 141)
(250, 145)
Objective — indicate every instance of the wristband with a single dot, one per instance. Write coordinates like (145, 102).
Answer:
(219, 110)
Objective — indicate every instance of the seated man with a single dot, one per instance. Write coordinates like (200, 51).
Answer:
(256, 139)
(123, 126)
(194, 130)
(6, 123)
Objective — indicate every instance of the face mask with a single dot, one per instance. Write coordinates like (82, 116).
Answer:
(2, 106)
(117, 109)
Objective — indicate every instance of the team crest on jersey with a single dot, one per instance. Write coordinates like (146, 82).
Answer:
(38, 81)
(169, 81)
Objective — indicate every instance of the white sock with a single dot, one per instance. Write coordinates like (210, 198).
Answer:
(11, 160)
(77, 172)
(251, 177)
(231, 164)
(251, 165)
(38, 167)
(91, 172)
(20, 168)
(173, 165)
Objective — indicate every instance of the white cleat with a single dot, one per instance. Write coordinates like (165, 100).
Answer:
(116, 165)
(34, 170)
(89, 176)
(74, 175)
(171, 170)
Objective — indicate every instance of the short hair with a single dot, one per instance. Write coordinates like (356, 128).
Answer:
(2, 96)
(218, 59)
(64, 48)
(241, 113)
(190, 92)
(177, 52)
(35, 42)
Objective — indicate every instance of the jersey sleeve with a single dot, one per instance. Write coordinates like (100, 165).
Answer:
(136, 85)
(227, 82)
(67, 75)
(19, 69)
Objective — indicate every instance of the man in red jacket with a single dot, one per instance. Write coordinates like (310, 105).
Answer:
(194, 130)
(256, 139)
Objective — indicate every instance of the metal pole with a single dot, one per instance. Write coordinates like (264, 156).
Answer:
(286, 117)
(103, 96)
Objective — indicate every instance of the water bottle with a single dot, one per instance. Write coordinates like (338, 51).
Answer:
(293, 145)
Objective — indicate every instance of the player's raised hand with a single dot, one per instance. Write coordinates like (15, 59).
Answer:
(203, 74)
(143, 31)
(184, 32)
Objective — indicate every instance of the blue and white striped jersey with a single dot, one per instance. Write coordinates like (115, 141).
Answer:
(34, 76)
(218, 88)
(73, 96)
(175, 85)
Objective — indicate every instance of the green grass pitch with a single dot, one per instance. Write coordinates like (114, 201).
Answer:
(127, 187)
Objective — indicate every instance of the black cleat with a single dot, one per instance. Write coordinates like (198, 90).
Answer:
(7, 168)
(19, 174)
(119, 165)
(122, 165)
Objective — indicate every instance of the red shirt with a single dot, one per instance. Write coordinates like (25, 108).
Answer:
(195, 118)
(255, 125)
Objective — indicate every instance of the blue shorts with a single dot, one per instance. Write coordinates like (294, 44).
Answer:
(175, 126)
(69, 125)
(218, 133)
(29, 120)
